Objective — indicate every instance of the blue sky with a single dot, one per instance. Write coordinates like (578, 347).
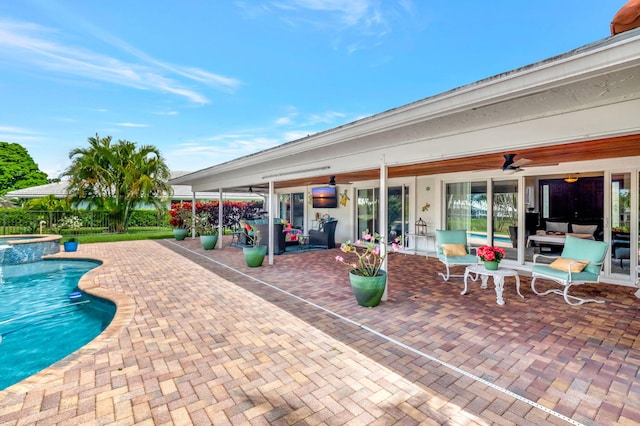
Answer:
(207, 81)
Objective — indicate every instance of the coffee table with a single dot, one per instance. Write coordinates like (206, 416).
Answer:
(498, 279)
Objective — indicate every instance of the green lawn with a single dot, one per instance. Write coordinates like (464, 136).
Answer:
(131, 236)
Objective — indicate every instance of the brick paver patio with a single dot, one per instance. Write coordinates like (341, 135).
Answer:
(199, 338)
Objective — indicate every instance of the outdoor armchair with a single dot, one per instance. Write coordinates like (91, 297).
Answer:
(453, 249)
(580, 262)
(325, 236)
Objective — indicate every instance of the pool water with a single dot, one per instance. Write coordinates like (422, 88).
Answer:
(39, 322)
(496, 238)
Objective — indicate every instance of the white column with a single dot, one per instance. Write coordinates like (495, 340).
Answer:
(193, 214)
(220, 218)
(271, 217)
(382, 222)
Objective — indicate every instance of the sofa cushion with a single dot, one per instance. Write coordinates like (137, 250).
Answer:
(558, 227)
(584, 229)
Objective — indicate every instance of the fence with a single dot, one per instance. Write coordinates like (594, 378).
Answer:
(83, 222)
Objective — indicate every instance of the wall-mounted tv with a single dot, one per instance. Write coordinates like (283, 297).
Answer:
(324, 197)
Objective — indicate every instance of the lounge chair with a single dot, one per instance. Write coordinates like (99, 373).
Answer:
(453, 249)
(580, 262)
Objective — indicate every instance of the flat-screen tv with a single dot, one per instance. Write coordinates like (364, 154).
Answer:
(324, 197)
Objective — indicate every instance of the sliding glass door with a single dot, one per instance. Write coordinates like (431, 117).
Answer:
(467, 209)
(505, 217)
(292, 209)
(368, 208)
(620, 212)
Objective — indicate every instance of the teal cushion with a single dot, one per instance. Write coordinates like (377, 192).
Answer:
(583, 249)
(468, 259)
(564, 276)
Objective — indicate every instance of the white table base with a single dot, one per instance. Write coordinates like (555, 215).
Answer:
(498, 279)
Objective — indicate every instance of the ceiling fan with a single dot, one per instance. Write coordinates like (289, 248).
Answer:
(511, 165)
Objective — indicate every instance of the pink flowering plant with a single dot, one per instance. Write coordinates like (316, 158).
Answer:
(367, 251)
(489, 253)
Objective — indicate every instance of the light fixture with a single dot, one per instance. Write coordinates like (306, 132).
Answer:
(332, 180)
(571, 179)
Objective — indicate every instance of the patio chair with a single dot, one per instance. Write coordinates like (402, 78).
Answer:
(453, 249)
(580, 262)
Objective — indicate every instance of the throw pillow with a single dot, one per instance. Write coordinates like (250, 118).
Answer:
(454, 249)
(558, 227)
(562, 264)
(584, 229)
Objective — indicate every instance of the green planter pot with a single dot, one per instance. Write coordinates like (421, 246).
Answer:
(491, 265)
(208, 241)
(180, 234)
(254, 255)
(368, 290)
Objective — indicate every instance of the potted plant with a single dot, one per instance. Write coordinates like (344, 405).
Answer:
(491, 256)
(207, 231)
(367, 279)
(255, 253)
(71, 244)
(181, 220)
(73, 223)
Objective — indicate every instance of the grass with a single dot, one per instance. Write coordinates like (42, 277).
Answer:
(131, 236)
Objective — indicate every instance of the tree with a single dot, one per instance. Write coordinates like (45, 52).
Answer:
(17, 169)
(117, 178)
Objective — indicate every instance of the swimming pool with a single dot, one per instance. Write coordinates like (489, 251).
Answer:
(43, 316)
(496, 238)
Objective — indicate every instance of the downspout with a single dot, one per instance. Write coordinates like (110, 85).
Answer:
(382, 223)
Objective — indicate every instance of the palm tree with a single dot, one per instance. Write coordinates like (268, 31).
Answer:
(118, 178)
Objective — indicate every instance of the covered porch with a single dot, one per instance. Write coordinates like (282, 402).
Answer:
(579, 362)
(571, 114)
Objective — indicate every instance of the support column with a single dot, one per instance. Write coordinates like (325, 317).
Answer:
(220, 219)
(271, 217)
(382, 222)
(193, 214)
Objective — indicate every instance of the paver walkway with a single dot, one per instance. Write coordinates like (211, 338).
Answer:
(196, 342)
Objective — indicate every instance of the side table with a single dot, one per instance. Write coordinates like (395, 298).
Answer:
(235, 237)
(498, 279)
(303, 241)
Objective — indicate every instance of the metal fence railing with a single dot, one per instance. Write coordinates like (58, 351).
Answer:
(83, 222)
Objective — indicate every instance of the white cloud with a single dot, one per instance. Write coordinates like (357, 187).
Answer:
(283, 121)
(351, 24)
(18, 135)
(131, 125)
(34, 46)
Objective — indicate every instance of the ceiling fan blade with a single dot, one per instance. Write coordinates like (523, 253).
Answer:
(521, 162)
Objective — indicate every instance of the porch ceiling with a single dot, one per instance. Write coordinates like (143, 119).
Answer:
(617, 147)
